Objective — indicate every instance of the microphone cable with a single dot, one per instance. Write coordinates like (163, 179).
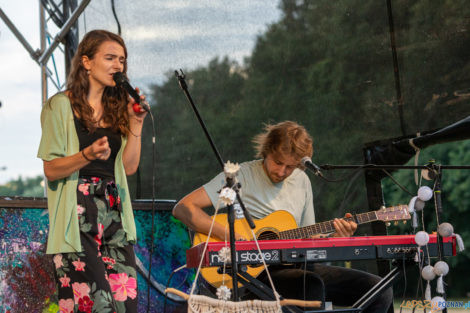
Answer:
(406, 282)
(397, 183)
(339, 180)
(152, 235)
(168, 284)
(349, 176)
(115, 17)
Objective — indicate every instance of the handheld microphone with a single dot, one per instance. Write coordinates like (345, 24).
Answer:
(307, 162)
(121, 80)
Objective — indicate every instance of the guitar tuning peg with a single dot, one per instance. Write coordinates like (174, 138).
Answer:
(387, 224)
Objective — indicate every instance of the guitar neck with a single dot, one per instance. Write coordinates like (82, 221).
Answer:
(325, 227)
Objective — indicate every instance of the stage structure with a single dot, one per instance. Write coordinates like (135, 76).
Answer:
(52, 14)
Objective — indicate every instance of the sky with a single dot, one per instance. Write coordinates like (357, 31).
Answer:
(161, 36)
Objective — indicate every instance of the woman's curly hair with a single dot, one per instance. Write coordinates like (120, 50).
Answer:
(114, 98)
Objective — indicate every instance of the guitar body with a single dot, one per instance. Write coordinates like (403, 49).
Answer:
(265, 229)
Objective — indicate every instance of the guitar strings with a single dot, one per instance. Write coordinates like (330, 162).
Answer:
(319, 228)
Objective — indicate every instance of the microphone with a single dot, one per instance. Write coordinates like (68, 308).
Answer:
(121, 80)
(307, 162)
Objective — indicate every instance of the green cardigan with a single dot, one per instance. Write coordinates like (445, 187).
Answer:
(59, 139)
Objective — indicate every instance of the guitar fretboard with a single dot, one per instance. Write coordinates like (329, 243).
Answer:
(325, 227)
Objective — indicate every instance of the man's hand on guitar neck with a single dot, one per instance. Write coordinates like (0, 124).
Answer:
(344, 228)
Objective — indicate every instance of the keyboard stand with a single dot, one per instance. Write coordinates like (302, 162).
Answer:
(261, 290)
(386, 282)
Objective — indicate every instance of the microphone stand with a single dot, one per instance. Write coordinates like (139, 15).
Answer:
(229, 183)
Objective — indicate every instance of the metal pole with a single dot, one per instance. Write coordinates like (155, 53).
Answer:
(69, 24)
(34, 54)
(42, 39)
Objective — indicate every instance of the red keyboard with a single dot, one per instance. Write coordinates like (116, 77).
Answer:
(320, 250)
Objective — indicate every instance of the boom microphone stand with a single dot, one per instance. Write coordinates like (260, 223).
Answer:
(229, 183)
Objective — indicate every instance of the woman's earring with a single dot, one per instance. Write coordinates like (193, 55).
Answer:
(88, 72)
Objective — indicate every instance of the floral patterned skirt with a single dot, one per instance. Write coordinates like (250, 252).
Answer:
(102, 278)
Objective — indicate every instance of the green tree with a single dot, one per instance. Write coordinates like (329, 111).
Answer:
(184, 157)
(28, 187)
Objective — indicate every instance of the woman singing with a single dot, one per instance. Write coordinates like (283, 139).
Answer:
(91, 139)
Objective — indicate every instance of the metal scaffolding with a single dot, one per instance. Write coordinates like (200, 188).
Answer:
(64, 14)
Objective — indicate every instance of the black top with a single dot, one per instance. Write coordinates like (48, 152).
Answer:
(98, 168)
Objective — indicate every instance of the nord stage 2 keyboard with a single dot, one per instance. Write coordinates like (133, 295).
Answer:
(320, 250)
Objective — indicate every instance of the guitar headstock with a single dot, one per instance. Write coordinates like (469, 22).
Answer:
(393, 213)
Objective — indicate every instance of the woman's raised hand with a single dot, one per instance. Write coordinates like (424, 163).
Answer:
(98, 150)
(136, 111)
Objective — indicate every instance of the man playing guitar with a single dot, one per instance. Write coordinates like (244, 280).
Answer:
(277, 182)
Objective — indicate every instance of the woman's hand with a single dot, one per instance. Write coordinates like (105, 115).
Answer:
(131, 155)
(59, 168)
(135, 110)
(98, 150)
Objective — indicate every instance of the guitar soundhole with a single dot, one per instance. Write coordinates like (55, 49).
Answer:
(268, 235)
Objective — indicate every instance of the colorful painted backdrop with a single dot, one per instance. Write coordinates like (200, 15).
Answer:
(26, 281)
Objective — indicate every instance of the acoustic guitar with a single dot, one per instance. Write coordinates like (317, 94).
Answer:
(281, 225)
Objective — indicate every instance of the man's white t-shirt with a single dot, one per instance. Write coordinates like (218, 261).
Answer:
(261, 196)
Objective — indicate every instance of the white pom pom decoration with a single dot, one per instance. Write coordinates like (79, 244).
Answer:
(419, 204)
(424, 193)
(438, 303)
(227, 196)
(224, 255)
(441, 269)
(231, 169)
(421, 238)
(223, 293)
(428, 274)
(445, 230)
